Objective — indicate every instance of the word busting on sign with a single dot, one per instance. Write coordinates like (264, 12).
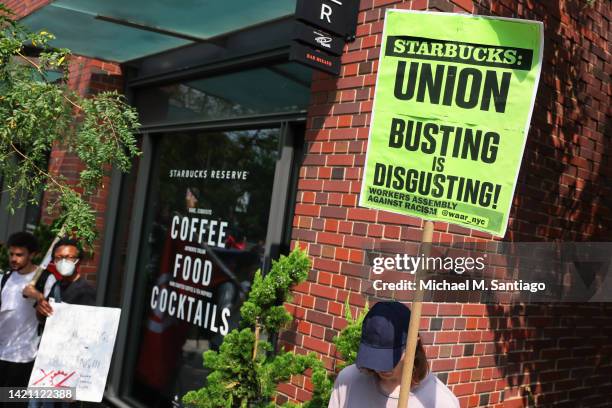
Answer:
(453, 102)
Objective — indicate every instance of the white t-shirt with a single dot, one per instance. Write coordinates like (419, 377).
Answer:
(18, 323)
(356, 389)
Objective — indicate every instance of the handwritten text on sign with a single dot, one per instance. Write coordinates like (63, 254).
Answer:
(76, 349)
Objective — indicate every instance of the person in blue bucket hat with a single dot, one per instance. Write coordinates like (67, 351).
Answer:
(374, 380)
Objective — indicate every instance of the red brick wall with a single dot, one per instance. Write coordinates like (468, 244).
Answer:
(489, 355)
(22, 8)
(87, 76)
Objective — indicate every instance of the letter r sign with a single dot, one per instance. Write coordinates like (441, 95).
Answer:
(326, 12)
(334, 16)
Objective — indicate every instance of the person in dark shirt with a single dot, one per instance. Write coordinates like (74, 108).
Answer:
(72, 287)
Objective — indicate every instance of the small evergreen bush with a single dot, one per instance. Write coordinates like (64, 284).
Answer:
(244, 372)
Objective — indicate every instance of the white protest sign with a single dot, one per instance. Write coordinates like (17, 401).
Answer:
(76, 349)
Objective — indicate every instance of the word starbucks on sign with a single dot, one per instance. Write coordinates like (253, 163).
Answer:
(459, 52)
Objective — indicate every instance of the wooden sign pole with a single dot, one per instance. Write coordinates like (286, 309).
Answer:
(47, 259)
(415, 319)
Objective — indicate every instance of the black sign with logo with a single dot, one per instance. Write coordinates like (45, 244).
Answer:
(314, 58)
(318, 38)
(325, 24)
(334, 16)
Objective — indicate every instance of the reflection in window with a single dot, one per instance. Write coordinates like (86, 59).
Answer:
(273, 89)
(205, 230)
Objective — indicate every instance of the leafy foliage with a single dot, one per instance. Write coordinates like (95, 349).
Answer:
(239, 380)
(37, 112)
(322, 384)
(265, 303)
(244, 373)
(347, 342)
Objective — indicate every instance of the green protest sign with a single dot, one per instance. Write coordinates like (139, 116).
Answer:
(453, 102)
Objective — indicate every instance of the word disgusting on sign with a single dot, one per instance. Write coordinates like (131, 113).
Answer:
(450, 117)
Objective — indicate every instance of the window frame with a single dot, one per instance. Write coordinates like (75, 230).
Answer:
(277, 237)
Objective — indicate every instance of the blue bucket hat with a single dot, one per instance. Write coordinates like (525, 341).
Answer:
(383, 336)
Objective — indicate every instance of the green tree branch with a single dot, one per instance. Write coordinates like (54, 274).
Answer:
(36, 115)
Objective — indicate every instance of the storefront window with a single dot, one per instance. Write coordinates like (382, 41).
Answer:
(204, 233)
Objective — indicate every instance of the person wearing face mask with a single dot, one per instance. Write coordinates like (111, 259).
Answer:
(374, 380)
(72, 287)
(18, 324)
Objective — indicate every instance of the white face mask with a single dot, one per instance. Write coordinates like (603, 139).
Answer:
(65, 267)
